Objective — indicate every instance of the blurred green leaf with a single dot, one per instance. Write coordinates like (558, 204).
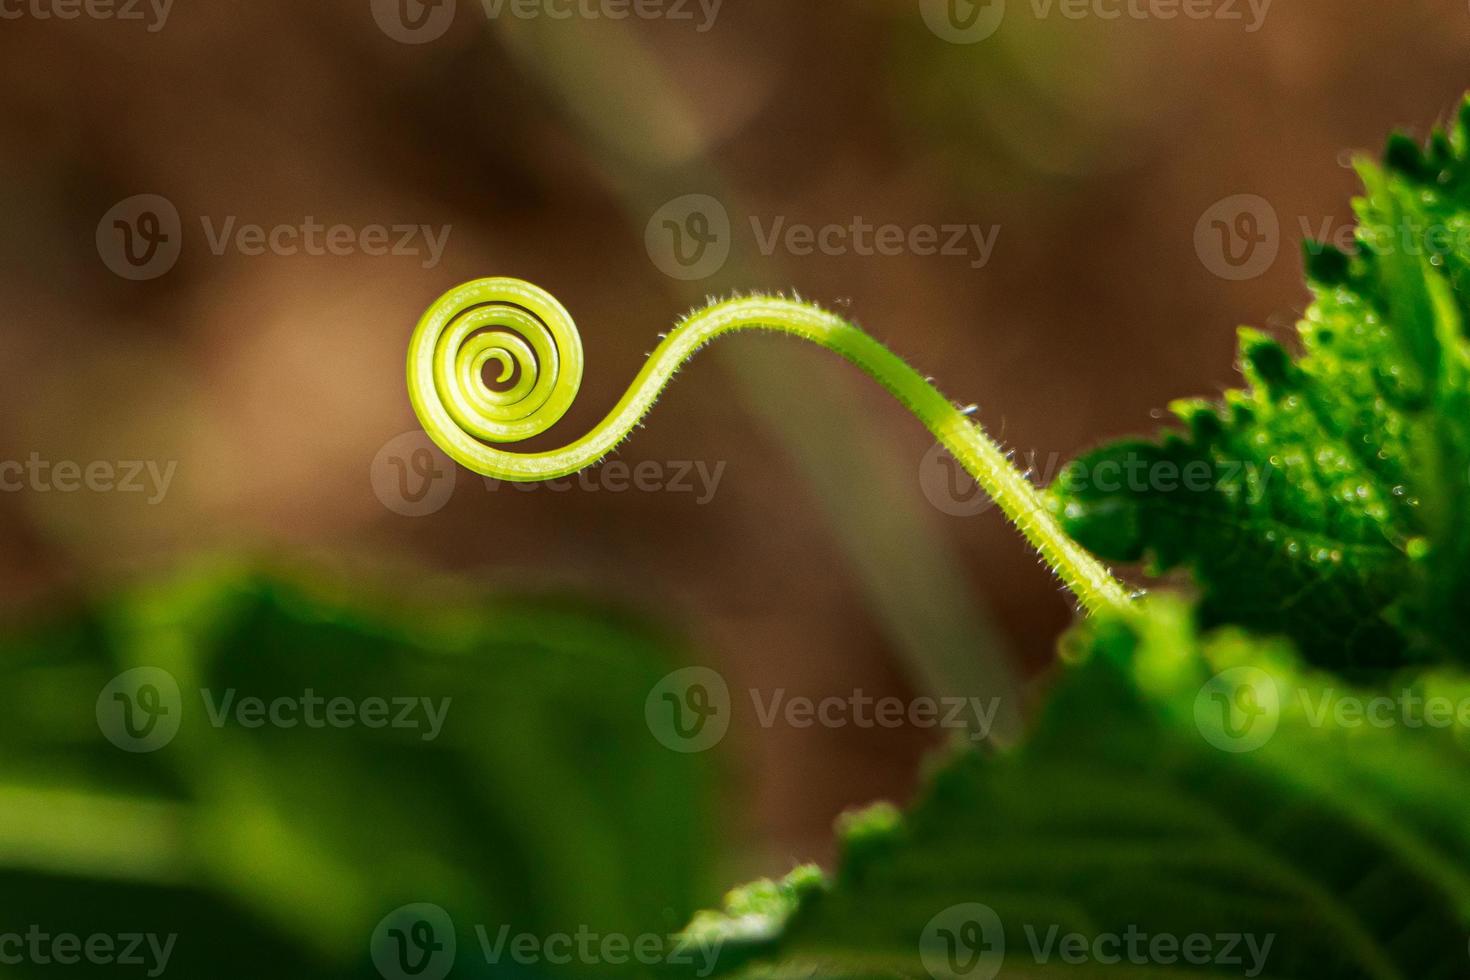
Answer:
(1139, 806)
(543, 803)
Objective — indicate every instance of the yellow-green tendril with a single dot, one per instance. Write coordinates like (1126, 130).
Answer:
(534, 345)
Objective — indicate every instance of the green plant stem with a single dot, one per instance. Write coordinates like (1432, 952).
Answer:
(535, 343)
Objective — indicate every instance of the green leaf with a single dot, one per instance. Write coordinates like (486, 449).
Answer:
(543, 803)
(1134, 809)
(1329, 500)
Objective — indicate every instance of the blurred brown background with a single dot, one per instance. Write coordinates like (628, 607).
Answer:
(545, 147)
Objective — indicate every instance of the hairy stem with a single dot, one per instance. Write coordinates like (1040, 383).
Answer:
(534, 346)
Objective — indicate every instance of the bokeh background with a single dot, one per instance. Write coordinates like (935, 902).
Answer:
(825, 560)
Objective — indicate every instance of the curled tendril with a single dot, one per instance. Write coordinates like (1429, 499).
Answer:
(537, 355)
(519, 329)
